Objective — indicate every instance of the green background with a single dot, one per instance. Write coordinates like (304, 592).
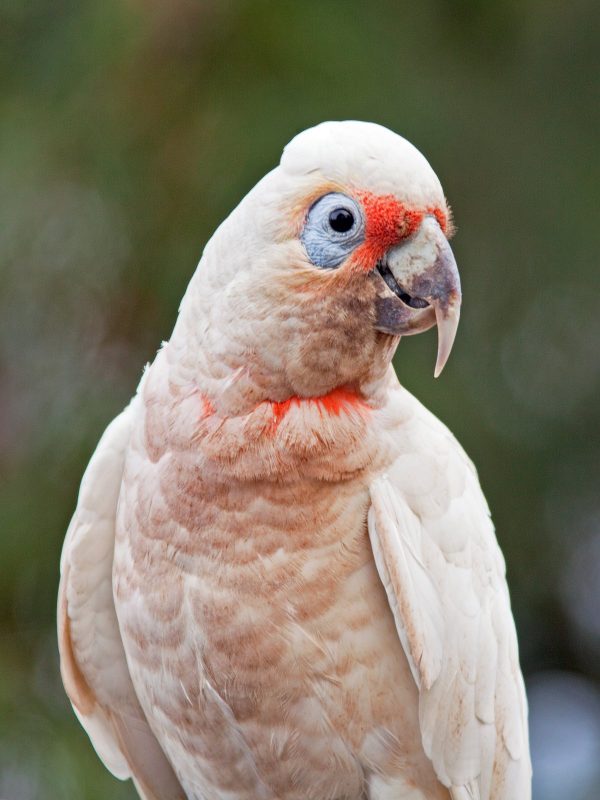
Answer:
(130, 128)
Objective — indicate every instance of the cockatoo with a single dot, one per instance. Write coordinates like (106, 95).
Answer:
(281, 580)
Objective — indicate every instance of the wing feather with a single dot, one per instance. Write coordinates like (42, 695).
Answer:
(437, 556)
(92, 659)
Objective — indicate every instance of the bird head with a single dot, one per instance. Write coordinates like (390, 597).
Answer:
(337, 253)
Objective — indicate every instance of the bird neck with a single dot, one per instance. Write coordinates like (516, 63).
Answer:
(257, 435)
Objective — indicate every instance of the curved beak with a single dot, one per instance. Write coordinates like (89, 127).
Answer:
(422, 288)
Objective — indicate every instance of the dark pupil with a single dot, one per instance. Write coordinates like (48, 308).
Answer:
(341, 220)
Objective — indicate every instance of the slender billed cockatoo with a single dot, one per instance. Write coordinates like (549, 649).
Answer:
(281, 580)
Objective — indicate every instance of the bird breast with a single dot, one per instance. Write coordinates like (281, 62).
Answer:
(255, 625)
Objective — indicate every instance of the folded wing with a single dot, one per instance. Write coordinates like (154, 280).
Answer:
(92, 659)
(437, 556)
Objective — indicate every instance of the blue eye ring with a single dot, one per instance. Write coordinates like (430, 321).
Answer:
(334, 227)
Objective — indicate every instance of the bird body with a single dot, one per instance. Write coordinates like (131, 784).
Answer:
(281, 580)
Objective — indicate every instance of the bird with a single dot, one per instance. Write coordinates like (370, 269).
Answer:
(281, 580)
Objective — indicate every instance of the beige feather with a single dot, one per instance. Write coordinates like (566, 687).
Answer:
(93, 663)
(453, 617)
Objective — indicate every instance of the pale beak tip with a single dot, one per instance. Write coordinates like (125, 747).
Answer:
(439, 365)
(447, 324)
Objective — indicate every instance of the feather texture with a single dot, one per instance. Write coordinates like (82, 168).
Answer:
(437, 556)
(93, 663)
(281, 581)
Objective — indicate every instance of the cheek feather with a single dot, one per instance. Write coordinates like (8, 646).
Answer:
(387, 222)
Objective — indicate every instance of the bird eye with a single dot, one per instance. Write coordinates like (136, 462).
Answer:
(334, 227)
(341, 220)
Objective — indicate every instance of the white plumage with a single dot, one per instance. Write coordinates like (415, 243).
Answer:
(281, 579)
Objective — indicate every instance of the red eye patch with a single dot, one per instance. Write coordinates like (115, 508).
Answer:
(387, 222)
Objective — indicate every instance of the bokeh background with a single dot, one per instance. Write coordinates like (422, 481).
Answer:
(130, 128)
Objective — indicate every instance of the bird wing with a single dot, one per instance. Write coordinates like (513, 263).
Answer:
(444, 575)
(92, 659)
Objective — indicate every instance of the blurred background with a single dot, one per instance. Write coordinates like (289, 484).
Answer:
(130, 128)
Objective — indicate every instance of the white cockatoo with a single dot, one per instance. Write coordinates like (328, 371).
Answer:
(281, 580)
